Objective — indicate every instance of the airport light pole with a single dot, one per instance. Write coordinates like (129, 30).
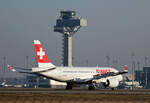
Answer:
(138, 63)
(68, 24)
(115, 63)
(108, 60)
(4, 67)
(27, 61)
(133, 67)
(146, 58)
(26, 66)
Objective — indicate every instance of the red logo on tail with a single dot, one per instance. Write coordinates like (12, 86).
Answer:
(125, 68)
(40, 53)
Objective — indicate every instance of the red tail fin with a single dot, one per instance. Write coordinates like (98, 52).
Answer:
(40, 53)
(42, 58)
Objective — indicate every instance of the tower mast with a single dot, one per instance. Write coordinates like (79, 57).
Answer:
(68, 24)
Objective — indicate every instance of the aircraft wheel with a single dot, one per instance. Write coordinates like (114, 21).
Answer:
(91, 87)
(112, 88)
(69, 86)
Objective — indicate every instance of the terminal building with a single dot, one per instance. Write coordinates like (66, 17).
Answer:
(35, 82)
(41, 82)
(143, 77)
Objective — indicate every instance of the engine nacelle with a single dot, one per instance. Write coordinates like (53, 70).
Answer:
(112, 83)
(102, 80)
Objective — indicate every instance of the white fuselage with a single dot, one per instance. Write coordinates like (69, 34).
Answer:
(64, 74)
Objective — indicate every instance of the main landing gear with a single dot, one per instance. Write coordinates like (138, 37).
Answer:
(91, 87)
(112, 88)
(69, 86)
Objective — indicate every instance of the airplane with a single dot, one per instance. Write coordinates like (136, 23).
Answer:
(129, 83)
(108, 76)
(3, 84)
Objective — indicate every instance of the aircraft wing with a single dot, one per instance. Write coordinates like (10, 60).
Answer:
(81, 81)
(100, 76)
(20, 69)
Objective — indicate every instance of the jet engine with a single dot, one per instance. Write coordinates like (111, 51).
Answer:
(112, 83)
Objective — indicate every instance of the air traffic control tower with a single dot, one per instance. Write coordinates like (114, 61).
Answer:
(68, 24)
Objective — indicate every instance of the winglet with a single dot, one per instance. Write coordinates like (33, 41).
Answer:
(11, 68)
(125, 68)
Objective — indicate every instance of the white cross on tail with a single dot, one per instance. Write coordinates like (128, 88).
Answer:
(41, 53)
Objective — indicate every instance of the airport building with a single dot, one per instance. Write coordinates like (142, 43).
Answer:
(40, 82)
(31, 81)
(143, 77)
(36, 82)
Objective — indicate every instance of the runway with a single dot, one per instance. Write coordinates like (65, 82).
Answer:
(42, 95)
(73, 91)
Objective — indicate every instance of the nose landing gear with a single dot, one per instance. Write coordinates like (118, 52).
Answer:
(69, 86)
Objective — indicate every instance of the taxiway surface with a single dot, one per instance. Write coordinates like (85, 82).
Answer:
(26, 95)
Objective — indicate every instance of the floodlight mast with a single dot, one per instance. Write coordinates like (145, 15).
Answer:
(68, 24)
